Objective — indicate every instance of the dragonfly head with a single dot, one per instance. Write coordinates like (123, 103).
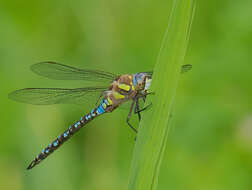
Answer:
(142, 81)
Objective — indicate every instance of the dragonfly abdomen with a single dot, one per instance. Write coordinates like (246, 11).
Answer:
(69, 132)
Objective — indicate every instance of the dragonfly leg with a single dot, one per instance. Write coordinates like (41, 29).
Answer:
(129, 116)
(143, 109)
(137, 109)
(144, 98)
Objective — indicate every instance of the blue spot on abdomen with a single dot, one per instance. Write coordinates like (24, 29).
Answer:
(55, 143)
(65, 135)
(100, 109)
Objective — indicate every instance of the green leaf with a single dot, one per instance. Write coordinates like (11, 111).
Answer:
(154, 126)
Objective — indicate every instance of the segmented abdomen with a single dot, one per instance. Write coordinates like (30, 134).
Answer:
(69, 132)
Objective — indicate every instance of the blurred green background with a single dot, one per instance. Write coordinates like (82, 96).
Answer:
(210, 143)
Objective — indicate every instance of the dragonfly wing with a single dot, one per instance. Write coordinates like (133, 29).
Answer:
(184, 68)
(59, 71)
(47, 96)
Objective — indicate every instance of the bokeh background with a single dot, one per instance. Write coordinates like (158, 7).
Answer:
(210, 143)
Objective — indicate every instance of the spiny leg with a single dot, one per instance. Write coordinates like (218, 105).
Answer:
(143, 109)
(129, 115)
(137, 109)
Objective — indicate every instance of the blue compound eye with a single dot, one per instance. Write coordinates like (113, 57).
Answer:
(140, 78)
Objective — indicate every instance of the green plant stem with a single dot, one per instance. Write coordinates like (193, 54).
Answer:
(154, 126)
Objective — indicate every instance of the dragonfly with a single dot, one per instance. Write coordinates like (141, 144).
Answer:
(118, 90)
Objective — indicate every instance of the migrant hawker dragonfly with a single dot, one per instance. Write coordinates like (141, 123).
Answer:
(121, 89)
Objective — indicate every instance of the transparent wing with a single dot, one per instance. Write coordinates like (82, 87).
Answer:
(47, 96)
(184, 68)
(59, 71)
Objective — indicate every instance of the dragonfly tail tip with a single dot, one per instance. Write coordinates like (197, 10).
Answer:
(31, 165)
